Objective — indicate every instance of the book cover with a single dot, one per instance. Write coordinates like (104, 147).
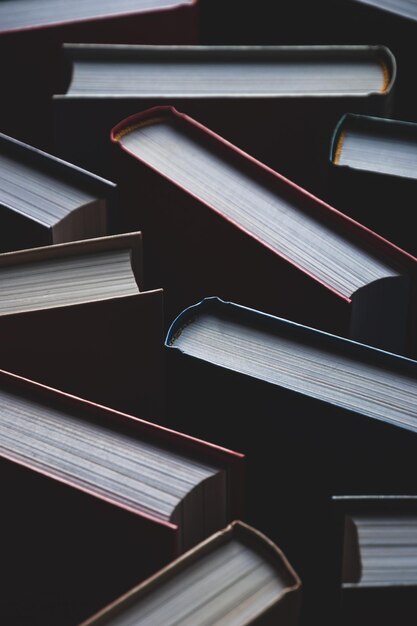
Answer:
(81, 517)
(227, 224)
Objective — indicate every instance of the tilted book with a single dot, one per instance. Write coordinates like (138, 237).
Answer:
(373, 174)
(75, 316)
(315, 414)
(237, 576)
(218, 221)
(32, 33)
(45, 200)
(94, 501)
(279, 103)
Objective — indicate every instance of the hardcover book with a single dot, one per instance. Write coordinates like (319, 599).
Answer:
(220, 222)
(279, 103)
(45, 200)
(75, 316)
(94, 501)
(315, 414)
(377, 544)
(237, 576)
(373, 174)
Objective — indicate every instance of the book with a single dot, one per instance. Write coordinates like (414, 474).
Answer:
(45, 200)
(75, 316)
(324, 22)
(32, 33)
(373, 174)
(378, 552)
(384, 9)
(236, 576)
(315, 414)
(94, 501)
(279, 103)
(219, 222)
(401, 8)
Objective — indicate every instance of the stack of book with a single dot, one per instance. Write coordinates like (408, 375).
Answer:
(208, 299)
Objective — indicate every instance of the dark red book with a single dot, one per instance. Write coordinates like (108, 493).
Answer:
(75, 316)
(94, 501)
(218, 221)
(32, 33)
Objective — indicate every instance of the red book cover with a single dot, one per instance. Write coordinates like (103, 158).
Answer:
(219, 222)
(68, 545)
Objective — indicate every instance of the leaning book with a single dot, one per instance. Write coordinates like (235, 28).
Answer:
(75, 316)
(45, 200)
(94, 501)
(316, 415)
(228, 225)
(237, 577)
(279, 103)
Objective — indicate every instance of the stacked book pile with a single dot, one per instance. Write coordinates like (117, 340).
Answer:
(208, 304)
